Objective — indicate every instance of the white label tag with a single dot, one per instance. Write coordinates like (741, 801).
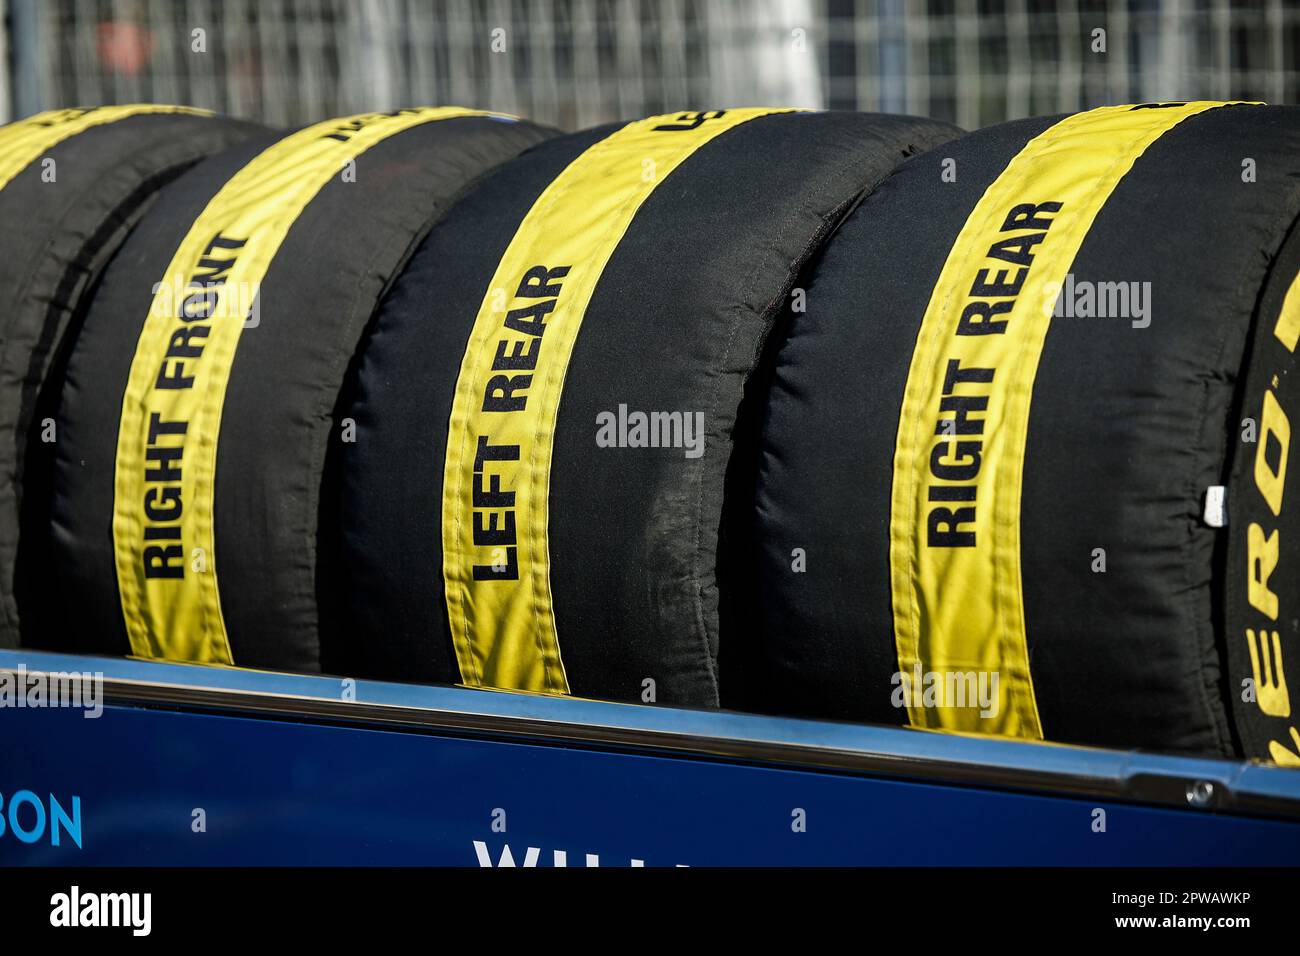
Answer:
(1216, 506)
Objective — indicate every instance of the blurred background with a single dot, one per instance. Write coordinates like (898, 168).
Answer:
(575, 63)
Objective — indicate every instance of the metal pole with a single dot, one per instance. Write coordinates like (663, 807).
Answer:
(6, 103)
(24, 15)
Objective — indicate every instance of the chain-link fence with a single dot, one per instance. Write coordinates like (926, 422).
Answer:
(579, 62)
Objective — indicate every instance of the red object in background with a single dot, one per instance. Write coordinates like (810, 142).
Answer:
(124, 47)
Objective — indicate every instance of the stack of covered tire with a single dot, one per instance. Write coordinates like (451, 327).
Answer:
(822, 414)
(550, 400)
(992, 458)
(198, 409)
(73, 182)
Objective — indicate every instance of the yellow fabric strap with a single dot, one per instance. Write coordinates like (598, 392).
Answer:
(23, 142)
(1267, 663)
(1287, 329)
(955, 508)
(496, 481)
(163, 533)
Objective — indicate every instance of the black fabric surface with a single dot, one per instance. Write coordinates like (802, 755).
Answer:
(1128, 427)
(57, 239)
(279, 411)
(676, 323)
(400, 398)
(824, 645)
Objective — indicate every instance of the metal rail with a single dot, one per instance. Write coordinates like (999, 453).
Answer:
(1197, 785)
